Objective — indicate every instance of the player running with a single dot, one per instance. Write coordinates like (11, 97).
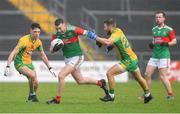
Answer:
(164, 36)
(128, 60)
(73, 57)
(21, 55)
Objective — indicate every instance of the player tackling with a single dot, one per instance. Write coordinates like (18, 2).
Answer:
(128, 60)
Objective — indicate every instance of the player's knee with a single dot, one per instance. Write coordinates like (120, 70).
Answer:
(80, 82)
(32, 76)
(162, 77)
(108, 74)
(147, 76)
(61, 77)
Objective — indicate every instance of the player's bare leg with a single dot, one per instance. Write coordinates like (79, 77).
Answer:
(82, 80)
(137, 75)
(166, 82)
(148, 74)
(30, 86)
(114, 70)
(61, 78)
(87, 80)
(33, 82)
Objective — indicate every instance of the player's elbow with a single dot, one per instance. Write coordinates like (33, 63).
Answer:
(107, 42)
(174, 42)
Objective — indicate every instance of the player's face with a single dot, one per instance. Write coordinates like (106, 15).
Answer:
(159, 18)
(35, 33)
(61, 28)
(107, 28)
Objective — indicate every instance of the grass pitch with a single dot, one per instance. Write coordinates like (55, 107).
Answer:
(85, 99)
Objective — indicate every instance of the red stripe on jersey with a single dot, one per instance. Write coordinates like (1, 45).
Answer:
(79, 31)
(172, 35)
(53, 37)
(71, 40)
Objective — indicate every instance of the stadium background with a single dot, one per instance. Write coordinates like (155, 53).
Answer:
(134, 17)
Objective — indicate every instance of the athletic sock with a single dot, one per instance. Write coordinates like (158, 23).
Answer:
(111, 93)
(147, 93)
(170, 94)
(33, 93)
(58, 98)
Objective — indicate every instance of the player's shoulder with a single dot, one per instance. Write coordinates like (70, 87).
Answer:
(55, 33)
(24, 38)
(168, 27)
(155, 27)
(117, 31)
(71, 27)
(39, 41)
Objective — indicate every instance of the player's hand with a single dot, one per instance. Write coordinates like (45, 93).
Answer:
(151, 45)
(57, 47)
(52, 71)
(91, 35)
(7, 71)
(98, 44)
(109, 48)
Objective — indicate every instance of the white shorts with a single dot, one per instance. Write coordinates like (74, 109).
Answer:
(75, 61)
(160, 63)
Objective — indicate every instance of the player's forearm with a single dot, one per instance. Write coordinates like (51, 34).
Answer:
(103, 40)
(45, 59)
(11, 57)
(173, 42)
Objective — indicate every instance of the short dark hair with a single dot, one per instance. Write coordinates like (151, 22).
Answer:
(162, 12)
(110, 21)
(35, 25)
(58, 21)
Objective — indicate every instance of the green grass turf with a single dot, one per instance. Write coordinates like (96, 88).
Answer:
(85, 99)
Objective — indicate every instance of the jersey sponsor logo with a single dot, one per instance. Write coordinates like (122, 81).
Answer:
(158, 40)
(71, 40)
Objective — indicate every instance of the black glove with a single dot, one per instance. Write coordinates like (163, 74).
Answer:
(98, 44)
(109, 48)
(52, 71)
(151, 45)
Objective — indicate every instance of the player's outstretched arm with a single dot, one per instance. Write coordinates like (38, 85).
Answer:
(104, 40)
(46, 61)
(93, 36)
(10, 59)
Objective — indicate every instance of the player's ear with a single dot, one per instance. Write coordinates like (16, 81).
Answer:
(30, 30)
